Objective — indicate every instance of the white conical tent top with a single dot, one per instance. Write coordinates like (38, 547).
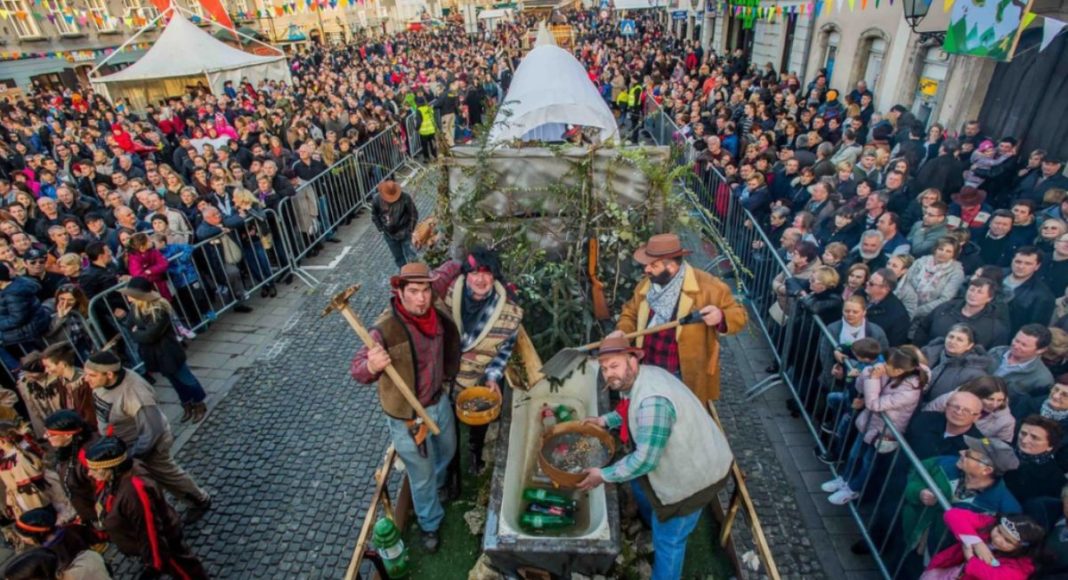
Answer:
(551, 89)
(545, 37)
(183, 49)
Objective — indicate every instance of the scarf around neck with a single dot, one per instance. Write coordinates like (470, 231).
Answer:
(427, 324)
(1051, 413)
(663, 299)
(1040, 459)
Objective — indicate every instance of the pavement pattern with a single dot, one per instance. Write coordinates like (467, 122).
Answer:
(291, 443)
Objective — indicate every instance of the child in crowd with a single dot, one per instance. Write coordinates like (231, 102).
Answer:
(861, 355)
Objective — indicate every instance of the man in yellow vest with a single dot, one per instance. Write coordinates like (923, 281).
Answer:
(427, 129)
(672, 289)
(488, 320)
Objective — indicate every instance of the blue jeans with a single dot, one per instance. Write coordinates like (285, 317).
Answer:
(427, 474)
(403, 251)
(841, 414)
(186, 385)
(325, 218)
(859, 465)
(669, 538)
(256, 260)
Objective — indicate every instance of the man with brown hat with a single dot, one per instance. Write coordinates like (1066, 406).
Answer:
(677, 457)
(423, 345)
(126, 408)
(672, 289)
(394, 214)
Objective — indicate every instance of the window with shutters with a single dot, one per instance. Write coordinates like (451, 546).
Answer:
(21, 19)
(61, 15)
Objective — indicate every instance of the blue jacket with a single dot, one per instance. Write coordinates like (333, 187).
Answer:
(181, 271)
(22, 317)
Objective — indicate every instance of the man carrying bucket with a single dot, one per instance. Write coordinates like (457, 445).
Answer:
(678, 457)
(672, 289)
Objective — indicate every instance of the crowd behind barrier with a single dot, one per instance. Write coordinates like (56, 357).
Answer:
(248, 255)
(894, 471)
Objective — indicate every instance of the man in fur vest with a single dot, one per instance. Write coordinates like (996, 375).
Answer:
(488, 320)
(672, 289)
(678, 457)
(422, 343)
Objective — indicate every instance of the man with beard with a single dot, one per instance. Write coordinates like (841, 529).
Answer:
(869, 251)
(673, 289)
(678, 457)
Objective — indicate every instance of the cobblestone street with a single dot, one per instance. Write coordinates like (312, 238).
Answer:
(289, 453)
(291, 444)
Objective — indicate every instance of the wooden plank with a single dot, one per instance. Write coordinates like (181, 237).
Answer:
(532, 364)
(763, 549)
(382, 477)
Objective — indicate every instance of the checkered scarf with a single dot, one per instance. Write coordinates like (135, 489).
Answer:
(663, 299)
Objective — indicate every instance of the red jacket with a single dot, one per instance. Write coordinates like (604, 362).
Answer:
(964, 522)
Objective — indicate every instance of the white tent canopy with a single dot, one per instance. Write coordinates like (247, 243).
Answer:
(550, 90)
(185, 55)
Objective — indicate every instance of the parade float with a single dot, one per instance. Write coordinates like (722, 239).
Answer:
(550, 186)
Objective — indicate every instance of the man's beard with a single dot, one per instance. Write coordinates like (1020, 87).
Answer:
(662, 278)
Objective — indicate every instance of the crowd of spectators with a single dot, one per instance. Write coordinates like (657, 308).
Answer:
(914, 276)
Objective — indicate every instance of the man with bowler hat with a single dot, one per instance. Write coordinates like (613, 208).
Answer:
(394, 214)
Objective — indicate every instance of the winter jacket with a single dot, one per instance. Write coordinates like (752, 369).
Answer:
(182, 270)
(922, 240)
(1031, 301)
(965, 522)
(990, 325)
(892, 318)
(917, 518)
(945, 173)
(997, 425)
(22, 316)
(949, 372)
(396, 220)
(922, 292)
(884, 402)
(826, 352)
(1033, 379)
(152, 266)
(156, 341)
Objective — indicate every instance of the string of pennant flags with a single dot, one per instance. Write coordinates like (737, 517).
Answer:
(751, 10)
(72, 55)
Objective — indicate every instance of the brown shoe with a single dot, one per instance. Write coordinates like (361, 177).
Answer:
(199, 411)
(187, 412)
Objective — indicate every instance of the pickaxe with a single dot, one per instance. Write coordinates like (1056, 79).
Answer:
(340, 303)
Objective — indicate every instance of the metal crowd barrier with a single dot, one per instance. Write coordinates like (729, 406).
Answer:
(803, 349)
(209, 277)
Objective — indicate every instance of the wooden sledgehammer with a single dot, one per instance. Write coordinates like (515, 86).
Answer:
(340, 303)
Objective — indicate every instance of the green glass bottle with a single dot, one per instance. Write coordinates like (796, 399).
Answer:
(545, 522)
(551, 498)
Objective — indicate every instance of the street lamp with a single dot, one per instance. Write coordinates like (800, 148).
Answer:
(915, 12)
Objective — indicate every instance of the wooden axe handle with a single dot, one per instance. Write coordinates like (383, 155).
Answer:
(688, 319)
(402, 386)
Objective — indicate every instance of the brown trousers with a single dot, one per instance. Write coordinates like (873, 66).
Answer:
(160, 465)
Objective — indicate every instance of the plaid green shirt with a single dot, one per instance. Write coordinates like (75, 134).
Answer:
(655, 419)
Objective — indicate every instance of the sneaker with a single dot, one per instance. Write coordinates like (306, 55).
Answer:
(185, 332)
(197, 509)
(843, 496)
(833, 485)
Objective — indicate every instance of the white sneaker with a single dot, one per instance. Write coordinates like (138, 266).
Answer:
(843, 496)
(833, 485)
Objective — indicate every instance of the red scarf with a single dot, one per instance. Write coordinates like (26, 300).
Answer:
(623, 409)
(426, 324)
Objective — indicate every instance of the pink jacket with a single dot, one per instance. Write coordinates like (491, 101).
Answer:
(963, 522)
(897, 403)
(152, 266)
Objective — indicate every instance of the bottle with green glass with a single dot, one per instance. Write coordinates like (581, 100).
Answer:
(550, 498)
(545, 521)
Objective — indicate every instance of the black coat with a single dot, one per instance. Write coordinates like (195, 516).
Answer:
(396, 220)
(990, 326)
(950, 372)
(926, 436)
(890, 314)
(156, 342)
(22, 316)
(1032, 301)
(945, 172)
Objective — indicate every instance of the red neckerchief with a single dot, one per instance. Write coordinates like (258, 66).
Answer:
(623, 409)
(426, 324)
